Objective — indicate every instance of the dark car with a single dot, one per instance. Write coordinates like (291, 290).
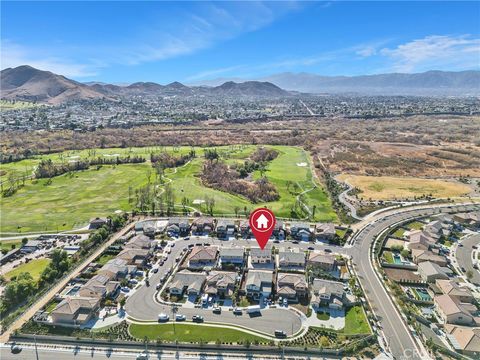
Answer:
(16, 349)
(328, 250)
(197, 318)
(295, 242)
(311, 248)
(280, 334)
(155, 270)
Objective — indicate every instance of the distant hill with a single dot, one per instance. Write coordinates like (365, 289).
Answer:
(30, 84)
(427, 83)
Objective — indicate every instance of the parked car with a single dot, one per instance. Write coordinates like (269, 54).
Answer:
(158, 286)
(155, 270)
(237, 311)
(197, 318)
(142, 356)
(180, 317)
(280, 334)
(163, 317)
(186, 238)
(16, 349)
(311, 248)
(328, 250)
(217, 310)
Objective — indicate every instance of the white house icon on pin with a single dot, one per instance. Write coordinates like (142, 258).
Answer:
(262, 222)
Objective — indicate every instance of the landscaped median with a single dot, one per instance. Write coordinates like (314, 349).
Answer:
(193, 333)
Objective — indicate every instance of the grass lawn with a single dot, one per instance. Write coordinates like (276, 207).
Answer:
(399, 233)
(71, 201)
(387, 255)
(190, 333)
(34, 267)
(356, 321)
(102, 260)
(389, 188)
(7, 244)
(415, 225)
(323, 315)
(51, 305)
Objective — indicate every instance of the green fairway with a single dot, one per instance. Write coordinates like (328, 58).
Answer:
(70, 201)
(356, 321)
(33, 267)
(190, 333)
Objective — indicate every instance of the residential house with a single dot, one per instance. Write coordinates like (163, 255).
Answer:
(245, 230)
(116, 269)
(226, 228)
(187, 282)
(325, 231)
(75, 311)
(419, 240)
(220, 283)
(137, 257)
(202, 256)
(436, 229)
(300, 231)
(231, 256)
(203, 226)
(430, 271)
(470, 219)
(279, 232)
(452, 311)
(259, 283)
(291, 260)
(140, 242)
(177, 226)
(420, 256)
(322, 260)
(327, 293)
(465, 340)
(291, 286)
(454, 290)
(259, 258)
(100, 286)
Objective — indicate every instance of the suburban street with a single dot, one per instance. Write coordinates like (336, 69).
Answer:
(464, 256)
(61, 284)
(399, 338)
(142, 305)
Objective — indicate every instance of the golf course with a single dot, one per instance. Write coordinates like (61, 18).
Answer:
(70, 200)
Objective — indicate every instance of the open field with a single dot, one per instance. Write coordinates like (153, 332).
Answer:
(70, 201)
(190, 333)
(7, 244)
(390, 188)
(34, 267)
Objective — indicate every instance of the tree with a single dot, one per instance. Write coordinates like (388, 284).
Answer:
(469, 274)
(236, 209)
(122, 302)
(24, 241)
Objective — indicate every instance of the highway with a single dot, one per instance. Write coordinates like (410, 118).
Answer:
(400, 341)
(464, 256)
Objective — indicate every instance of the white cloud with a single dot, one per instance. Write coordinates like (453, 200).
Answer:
(187, 33)
(13, 55)
(214, 72)
(441, 52)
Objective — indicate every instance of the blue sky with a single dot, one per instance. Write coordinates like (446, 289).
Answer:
(192, 41)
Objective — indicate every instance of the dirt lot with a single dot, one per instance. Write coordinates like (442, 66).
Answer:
(391, 188)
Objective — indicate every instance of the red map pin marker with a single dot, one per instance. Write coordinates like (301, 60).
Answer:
(262, 222)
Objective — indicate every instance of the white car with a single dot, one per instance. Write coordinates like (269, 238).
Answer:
(142, 356)
(163, 317)
(180, 317)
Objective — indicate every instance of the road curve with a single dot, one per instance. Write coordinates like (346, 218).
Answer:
(464, 257)
(399, 338)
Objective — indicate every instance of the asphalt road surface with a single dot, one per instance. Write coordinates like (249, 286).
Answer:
(401, 343)
(464, 256)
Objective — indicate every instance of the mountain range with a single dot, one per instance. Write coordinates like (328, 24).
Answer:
(30, 84)
(428, 83)
(27, 83)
